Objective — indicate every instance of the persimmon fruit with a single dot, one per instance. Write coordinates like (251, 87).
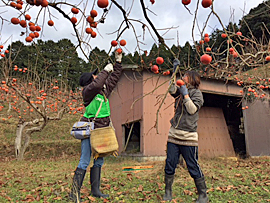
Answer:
(201, 41)
(93, 34)
(13, 4)
(223, 35)
(27, 17)
(88, 30)
(38, 28)
(50, 23)
(75, 10)
(90, 19)
(44, 3)
(114, 43)
(18, 6)
(239, 33)
(234, 54)
(32, 28)
(186, 2)
(32, 35)
(123, 42)
(102, 3)
(36, 34)
(119, 50)
(154, 68)
(206, 39)
(206, 3)
(15, 21)
(180, 82)
(206, 59)
(93, 13)
(93, 24)
(73, 20)
(23, 23)
(28, 39)
(159, 60)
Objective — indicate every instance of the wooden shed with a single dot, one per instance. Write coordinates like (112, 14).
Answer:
(142, 123)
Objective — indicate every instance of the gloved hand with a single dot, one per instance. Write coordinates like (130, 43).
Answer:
(118, 57)
(176, 63)
(172, 88)
(109, 68)
(183, 90)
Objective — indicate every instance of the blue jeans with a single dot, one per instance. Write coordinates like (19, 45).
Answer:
(190, 155)
(86, 156)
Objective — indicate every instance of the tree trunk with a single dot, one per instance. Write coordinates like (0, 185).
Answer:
(23, 134)
(19, 149)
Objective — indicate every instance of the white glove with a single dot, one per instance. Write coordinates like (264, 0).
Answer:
(118, 57)
(109, 68)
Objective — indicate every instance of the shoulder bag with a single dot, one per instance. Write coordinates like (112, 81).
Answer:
(82, 129)
(103, 140)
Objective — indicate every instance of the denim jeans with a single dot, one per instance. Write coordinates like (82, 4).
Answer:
(86, 156)
(190, 155)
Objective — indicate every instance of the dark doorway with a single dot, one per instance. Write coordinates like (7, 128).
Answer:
(232, 110)
(132, 137)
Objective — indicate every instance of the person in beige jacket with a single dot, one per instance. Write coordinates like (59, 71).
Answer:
(183, 136)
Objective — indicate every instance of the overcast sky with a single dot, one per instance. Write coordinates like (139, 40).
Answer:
(164, 14)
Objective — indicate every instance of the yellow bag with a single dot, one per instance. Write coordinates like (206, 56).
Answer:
(104, 142)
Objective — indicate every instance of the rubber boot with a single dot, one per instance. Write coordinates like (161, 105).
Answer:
(168, 187)
(201, 188)
(78, 177)
(95, 182)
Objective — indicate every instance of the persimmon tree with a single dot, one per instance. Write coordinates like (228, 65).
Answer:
(31, 101)
(223, 55)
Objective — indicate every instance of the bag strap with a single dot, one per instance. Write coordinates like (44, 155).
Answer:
(105, 98)
(107, 109)
(97, 111)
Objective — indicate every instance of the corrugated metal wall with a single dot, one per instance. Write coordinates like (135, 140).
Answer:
(129, 89)
(155, 144)
(257, 128)
(214, 138)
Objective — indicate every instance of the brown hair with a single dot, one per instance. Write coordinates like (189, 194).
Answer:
(193, 78)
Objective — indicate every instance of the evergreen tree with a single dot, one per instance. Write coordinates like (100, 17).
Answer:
(48, 59)
(253, 23)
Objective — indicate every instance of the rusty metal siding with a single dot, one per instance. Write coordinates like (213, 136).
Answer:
(155, 144)
(219, 87)
(214, 138)
(257, 130)
(129, 88)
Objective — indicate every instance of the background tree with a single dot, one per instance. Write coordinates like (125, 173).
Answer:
(59, 60)
(256, 24)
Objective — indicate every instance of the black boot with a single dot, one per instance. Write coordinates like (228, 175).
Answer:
(201, 187)
(95, 182)
(78, 177)
(168, 187)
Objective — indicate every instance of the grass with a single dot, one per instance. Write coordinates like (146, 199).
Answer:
(49, 180)
(46, 174)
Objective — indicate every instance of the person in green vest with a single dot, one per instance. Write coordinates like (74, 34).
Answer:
(97, 87)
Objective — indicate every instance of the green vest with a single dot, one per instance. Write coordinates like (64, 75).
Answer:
(92, 108)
